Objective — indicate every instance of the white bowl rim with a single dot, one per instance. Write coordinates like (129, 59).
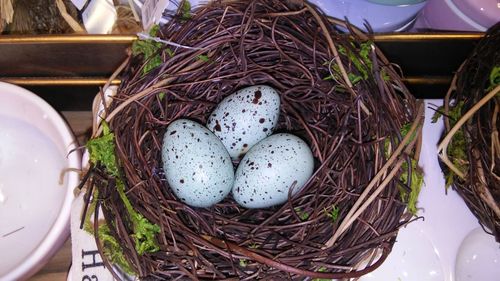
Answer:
(59, 231)
(466, 19)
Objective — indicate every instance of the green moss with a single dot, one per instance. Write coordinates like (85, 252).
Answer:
(144, 230)
(112, 249)
(361, 61)
(102, 151)
(417, 176)
(456, 148)
(332, 213)
(150, 49)
(203, 58)
(494, 78)
(417, 180)
(303, 215)
(321, 269)
(185, 10)
(243, 262)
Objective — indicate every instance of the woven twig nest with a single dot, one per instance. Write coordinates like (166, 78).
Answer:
(470, 150)
(338, 93)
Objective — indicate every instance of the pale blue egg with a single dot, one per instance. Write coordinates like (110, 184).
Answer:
(244, 118)
(268, 171)
(197, 166)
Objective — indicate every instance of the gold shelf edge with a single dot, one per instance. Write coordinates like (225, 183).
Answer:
(426, 36)
(72, 38)
(100, 81)
(82, 38)
(23, 81)
(432, 80)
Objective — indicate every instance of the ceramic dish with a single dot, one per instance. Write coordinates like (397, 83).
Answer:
(382, 18)
(35, 191)
(462, 15)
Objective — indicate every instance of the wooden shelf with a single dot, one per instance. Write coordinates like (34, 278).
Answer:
(67, 71)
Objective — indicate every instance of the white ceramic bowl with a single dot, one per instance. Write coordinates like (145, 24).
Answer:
(459, 15)
(35, 192)
(382, 18)
(478, 257)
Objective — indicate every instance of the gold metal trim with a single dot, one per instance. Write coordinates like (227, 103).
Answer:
(99, 81)
(59, 81)
(427, 36)
(432, 80)
(59, 39)
(82, 38)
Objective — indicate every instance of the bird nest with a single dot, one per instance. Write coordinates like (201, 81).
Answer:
(470, 150)
(338, 93)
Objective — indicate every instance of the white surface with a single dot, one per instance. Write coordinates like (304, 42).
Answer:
(413, 257)
(427, 249)
(34, 147)
(478, 258)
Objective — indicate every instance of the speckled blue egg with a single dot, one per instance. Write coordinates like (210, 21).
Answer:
(270, 169)
(197, 166)
(244, 118)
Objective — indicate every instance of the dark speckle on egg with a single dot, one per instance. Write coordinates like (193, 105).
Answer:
(257, 96)
(217, 126)
(262, 120)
